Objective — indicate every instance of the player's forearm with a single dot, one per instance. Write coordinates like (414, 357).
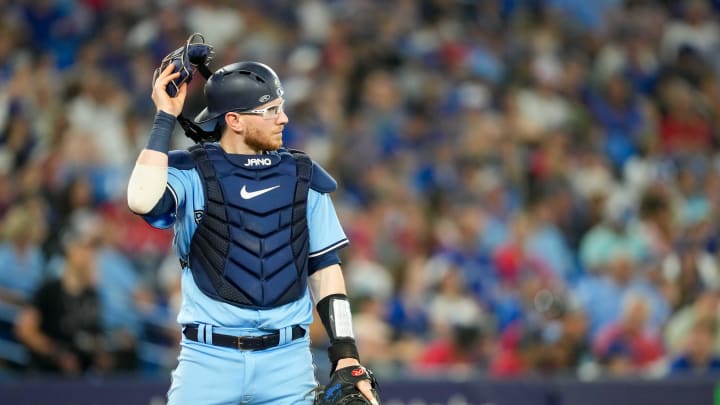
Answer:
(333, 307)
(327, 281)
(149, 177)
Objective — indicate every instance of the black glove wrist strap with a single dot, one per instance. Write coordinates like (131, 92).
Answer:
(342, 349)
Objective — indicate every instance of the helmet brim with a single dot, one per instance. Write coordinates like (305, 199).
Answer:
(203, 116)
(206, 121)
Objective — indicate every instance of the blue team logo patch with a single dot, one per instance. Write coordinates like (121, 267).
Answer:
(198, 215)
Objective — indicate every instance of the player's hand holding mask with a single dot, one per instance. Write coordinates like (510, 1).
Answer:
(193, 56)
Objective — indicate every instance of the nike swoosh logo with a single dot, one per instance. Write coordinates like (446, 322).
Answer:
(252, 194)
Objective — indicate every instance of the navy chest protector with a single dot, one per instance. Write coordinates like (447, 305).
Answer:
(250, 248)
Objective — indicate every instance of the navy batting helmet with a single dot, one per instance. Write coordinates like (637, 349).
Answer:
(239, 87)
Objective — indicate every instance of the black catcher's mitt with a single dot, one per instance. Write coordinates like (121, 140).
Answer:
(341, 389)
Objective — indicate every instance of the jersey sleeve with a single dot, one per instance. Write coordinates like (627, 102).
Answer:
(326, 233)
(172, 204)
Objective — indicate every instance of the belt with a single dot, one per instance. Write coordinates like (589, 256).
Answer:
(244, 342)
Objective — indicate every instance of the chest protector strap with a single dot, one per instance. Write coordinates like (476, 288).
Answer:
(299, 232)
(211, 241)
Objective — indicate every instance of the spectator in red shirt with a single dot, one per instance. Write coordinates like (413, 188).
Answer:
(627, 341)
(684, 128)
(461, 352)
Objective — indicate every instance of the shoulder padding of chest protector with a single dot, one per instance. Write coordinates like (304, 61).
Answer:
(321, 181)
(180, 159)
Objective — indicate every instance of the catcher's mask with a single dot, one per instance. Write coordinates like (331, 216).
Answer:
(238, 87)
(194, 56)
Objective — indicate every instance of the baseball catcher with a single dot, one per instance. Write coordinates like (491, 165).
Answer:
(257, 236)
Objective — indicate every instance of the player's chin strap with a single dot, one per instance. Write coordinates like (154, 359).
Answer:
(194, 132)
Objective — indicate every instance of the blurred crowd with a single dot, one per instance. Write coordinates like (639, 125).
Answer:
(530, 187)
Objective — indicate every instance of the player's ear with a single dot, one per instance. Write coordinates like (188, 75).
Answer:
(235, 122)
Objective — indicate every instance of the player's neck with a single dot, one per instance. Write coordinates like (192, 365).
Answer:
(237, 147)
